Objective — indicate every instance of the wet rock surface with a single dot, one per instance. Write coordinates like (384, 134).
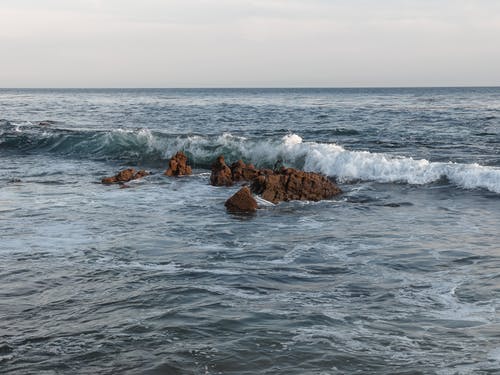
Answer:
(125, 176)
(243, 172)
(291, 184)
(221, 174)
(47, 123)
(224, 175)
(278, 185)
(178, 166)
(242, 201)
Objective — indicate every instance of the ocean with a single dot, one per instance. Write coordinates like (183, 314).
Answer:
(398, 275)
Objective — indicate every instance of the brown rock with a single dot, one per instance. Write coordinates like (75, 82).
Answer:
(125, 176)
(177, 166)
(221, 173)
(266, 172)
(237, 170)
(242, 172)
(291, 184)
(242, 201)
(140, 174)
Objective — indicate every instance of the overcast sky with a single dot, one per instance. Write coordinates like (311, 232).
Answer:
(249, 43)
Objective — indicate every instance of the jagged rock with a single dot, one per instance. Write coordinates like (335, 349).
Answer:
(237, 170)
(243, 172)
(242, 201)
(221, 173)
(125, 176)
(177, 166)
(280, 184)
(291, 184)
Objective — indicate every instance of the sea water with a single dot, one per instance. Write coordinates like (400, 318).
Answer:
(399, 274)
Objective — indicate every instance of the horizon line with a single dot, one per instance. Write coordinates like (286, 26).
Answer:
(245, 87)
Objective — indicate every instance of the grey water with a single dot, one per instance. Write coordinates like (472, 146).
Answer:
(398, 275)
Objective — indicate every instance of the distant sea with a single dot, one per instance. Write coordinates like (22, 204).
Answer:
(398, 275)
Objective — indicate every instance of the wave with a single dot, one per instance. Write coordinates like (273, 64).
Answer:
(142, 146)
(334, 160)
(134, 146)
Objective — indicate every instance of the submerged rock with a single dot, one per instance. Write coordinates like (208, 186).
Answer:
(291, 184)
(221, 173)
(125, 176)
(178, 166)
(242, 201)
(5, 349)
(47, 123)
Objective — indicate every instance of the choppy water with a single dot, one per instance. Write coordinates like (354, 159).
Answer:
(401, 274)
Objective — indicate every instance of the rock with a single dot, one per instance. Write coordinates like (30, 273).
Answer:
(242, 172)
(291, 184)
(177, 166)
(280, 184)
(140, 174)
(221, 173)
(242, 201)
(125, 176)
(46, 123)
(237, 170)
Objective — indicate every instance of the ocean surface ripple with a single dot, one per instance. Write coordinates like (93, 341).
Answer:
(400, 274)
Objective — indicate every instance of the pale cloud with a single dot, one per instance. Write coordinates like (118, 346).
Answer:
(162, 43)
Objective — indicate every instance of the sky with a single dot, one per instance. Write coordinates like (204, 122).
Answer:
(249, 43)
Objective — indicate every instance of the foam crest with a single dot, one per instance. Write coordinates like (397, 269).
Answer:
(334, 160)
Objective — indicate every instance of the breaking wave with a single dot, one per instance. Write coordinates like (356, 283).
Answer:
(334, 160)
(142, 146)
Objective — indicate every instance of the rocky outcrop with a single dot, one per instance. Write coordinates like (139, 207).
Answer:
(291, 184)
(125, 176)
(224, 175)
(178, 166)
(280, 184)
(221, 173)
(243, 172)
(242, 201)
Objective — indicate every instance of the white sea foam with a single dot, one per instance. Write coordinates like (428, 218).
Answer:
(334, 160)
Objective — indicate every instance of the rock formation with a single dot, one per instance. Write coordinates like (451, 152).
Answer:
(221, 173)
(125, 176)
(177, 166)
(281, 184)
(224, 175)
(242, 201)
(243, 172)
(291, 184)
